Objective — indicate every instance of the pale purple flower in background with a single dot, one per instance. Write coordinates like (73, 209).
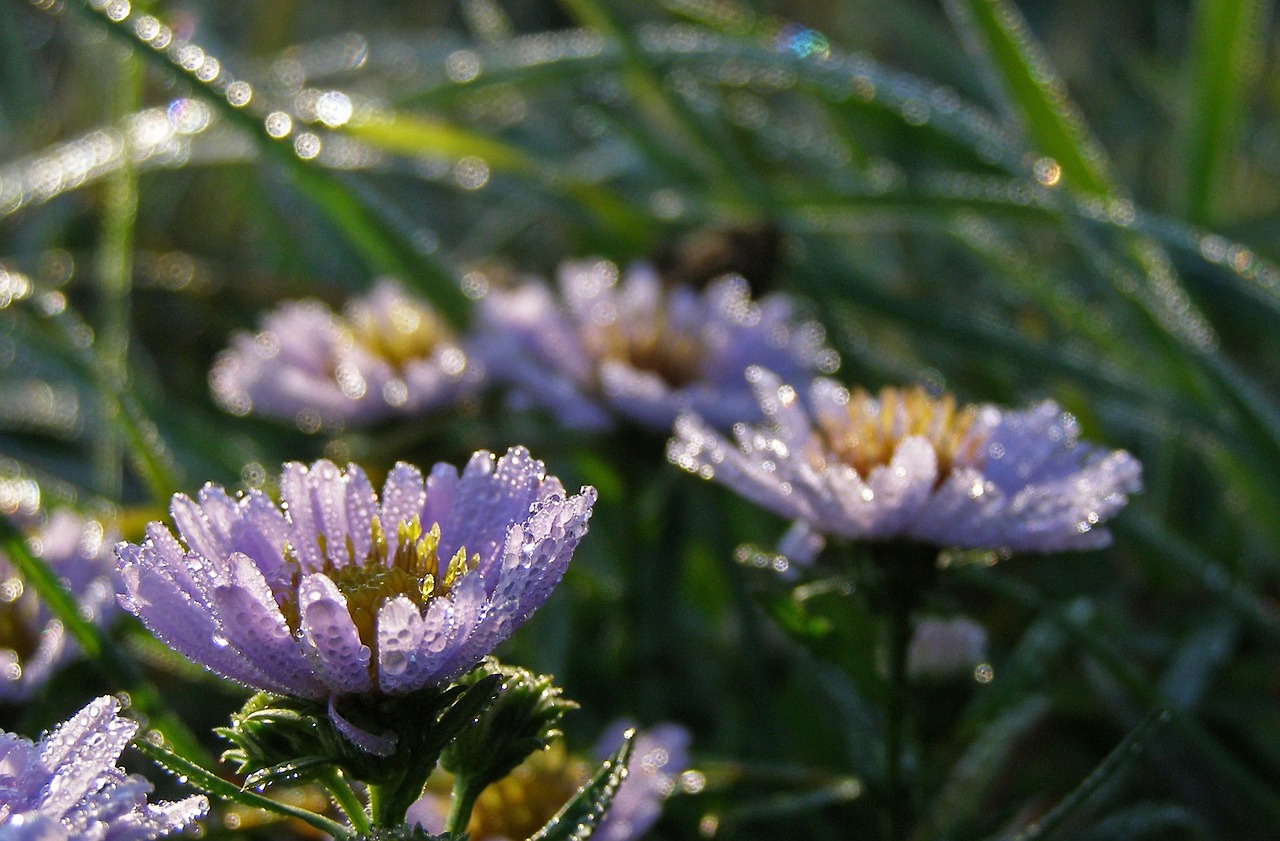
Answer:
(621, 344)
(905, 465)
(517, 806)
(67, 786)
(388, 355)
(660, 756)
(945, 648)
(335, 593)
(33, 642)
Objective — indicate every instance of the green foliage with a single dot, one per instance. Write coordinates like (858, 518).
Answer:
(583, 813)
(1006, 200)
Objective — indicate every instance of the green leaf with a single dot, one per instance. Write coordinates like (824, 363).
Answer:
(1031, 91)
(1147, 820)
(212, 784)
(1120, 756)
(1228, 42)
(983, 762)
(578, 818)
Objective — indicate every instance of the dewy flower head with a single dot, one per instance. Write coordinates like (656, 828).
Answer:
(67, 787)
(334, 592)
(521, 803)
(625, 345)
(390, 354)
(33, 643)
(907, 465)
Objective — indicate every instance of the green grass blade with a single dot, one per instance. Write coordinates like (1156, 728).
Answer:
(1114, 762)
(408, 134)
(114, 265)
(366, 226)
(582, 814)
(42, 579)
(1228, 40)
(211, 783)
(1030, 89)
(669, 113)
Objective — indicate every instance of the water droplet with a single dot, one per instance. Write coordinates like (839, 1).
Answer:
(1047, 171)
(239, 93)
(306, 145)
(334, 108)
(471, 172)
(278, 124)
(983, 673)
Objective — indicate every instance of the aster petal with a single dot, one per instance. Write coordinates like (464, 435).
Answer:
(79, 751)
(194, 527)
(68, 786)
(400, 632)
(537, 553)
(403, 497)
(304, 525)
(187, 626)
(383, 745)
(641, 395)
(698, 448)
(440, 633)
(469, 602)
(490, 496)
(361, 506)
(327, 494)
(155, 819)
(902, 487)
(252, 623)
(441, 491)
(33, 826)
(331, 636)
(262, 533)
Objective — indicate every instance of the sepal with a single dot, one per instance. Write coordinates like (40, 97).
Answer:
(522, 720)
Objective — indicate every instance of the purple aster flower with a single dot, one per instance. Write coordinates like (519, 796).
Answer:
(907, 465)
(33, 643)
(68, 786)
(334, 593)
(389, 354)
(630, 346)
(521, 803)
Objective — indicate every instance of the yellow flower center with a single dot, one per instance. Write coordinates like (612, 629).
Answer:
(414, 570)
(675, 356)
(878, 424)
(18, 620)
(522, 802)
(399, 334)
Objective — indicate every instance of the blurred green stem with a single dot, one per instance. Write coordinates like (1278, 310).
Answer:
(114, 265)
(465, 792)
(906, 570)
(347, 801)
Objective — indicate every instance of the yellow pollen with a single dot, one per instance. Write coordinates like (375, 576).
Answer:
(878, 424)
(414, 571)
(406, 331)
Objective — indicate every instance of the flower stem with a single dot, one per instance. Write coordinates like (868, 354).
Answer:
(347, 801)
(897, 791)
(465, 792)
(906, 572)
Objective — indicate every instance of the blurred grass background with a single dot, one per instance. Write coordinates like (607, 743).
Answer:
(1013, 201)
